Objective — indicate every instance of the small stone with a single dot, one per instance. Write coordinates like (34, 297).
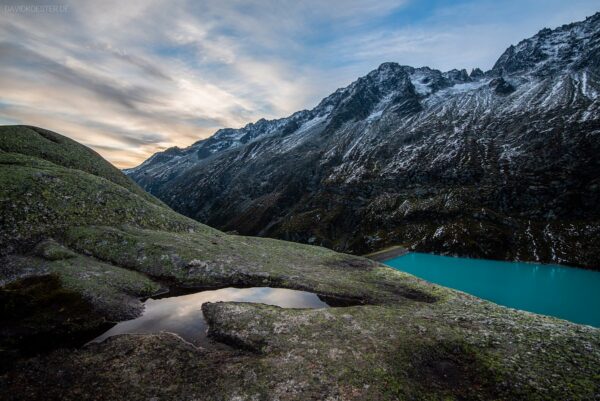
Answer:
(197, 263)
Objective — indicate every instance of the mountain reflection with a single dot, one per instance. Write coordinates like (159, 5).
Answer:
(183, 316)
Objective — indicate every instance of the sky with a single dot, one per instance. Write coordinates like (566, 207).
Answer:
(130, 78)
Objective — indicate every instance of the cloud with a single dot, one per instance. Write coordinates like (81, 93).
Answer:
(132, 78)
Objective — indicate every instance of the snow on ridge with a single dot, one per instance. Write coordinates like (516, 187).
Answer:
(421, 88)
(299, 135)
(380, 107)
(467, 86)
(473, 100)
(311, 123)
(438, 102)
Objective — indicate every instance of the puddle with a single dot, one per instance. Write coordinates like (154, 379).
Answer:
(183, 316)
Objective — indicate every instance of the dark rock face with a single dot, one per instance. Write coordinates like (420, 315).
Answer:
(501, 87)
(476, 73)
(501, 164)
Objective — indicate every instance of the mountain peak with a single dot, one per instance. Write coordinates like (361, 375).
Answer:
(570, 46)
(389, 66)
(389, 72)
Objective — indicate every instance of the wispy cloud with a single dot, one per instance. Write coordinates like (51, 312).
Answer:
(131, 78)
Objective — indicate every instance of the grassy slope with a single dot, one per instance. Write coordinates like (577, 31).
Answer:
(60, 150)
(69, 215)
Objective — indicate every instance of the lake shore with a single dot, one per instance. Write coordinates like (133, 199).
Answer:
(387, 253)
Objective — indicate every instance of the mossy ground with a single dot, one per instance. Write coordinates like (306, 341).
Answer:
(50, 146)
(463, 348)
(80, 246)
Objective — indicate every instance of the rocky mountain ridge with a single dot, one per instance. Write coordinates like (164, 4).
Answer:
(499, 164)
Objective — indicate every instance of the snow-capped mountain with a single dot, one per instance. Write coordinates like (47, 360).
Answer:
(500, 164)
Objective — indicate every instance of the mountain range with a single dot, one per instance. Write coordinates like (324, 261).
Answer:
(499, 164)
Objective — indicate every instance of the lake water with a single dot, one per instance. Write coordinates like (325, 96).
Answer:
(568, 293)
(183, 316)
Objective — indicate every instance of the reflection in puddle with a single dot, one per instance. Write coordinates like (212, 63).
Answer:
(183, 315)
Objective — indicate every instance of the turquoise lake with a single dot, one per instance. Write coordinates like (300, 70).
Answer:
(568, 293)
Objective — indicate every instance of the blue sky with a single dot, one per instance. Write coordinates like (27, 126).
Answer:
(132, 78)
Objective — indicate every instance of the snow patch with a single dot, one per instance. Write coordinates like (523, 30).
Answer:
(422, 88)
(380, 107)
(298, 136)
